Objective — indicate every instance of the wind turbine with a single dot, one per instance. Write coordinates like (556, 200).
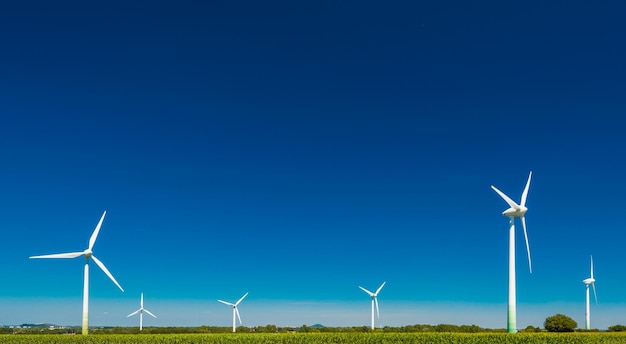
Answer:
(140, 311)
(515, 210)
(374, 297)
(589, 281)
(87, 253)
(235, 310)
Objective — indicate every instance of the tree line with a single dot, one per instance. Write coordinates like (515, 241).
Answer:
(555, 323)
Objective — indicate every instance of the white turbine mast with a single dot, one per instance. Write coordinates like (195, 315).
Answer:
(589, 281)
(515, 210)
(235, 310)
(87, 253)
(374, 297)
(140, 311)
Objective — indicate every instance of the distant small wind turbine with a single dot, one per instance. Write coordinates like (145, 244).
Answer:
(235, 310)
(374, 297)
(514, 211)
(589, 281)
(140, 311)
(87, 253)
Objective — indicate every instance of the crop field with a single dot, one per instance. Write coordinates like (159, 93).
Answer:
(314, 338)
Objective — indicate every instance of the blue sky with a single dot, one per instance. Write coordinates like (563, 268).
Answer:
(298, 150)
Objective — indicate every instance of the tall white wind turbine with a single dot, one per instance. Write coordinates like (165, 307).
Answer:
(515, 210)
(235, 310)
(589, 281)
(87, 253)
(374, 297)
(140, 311)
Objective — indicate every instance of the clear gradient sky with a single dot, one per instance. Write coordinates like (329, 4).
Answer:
(297, 150)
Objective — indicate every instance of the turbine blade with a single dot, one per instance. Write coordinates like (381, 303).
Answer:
(59, 255)
(591, 266)
(227, 303)
(147, 311)
(530, 265)
(376, 302)
(237, 311)
(379, 288)
(506, 198)
(594, 292)
(141, 302)
(94, 235)
(525, 193)
(133, 313)
(367, 291)
(106, 271)
(243, 297)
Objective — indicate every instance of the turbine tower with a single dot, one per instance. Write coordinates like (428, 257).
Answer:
(235, 310)
(140, 311)
(87, 253)
(515, 210)
(589, 281)
(374, 297)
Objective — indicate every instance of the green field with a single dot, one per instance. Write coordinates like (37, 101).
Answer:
(313, 338)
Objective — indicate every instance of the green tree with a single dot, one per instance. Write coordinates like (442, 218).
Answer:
(617, 328)
(560, 323)
(531, 328)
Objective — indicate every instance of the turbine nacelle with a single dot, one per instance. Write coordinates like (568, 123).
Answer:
(87, 253)
(588, 281)
(515, 212)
